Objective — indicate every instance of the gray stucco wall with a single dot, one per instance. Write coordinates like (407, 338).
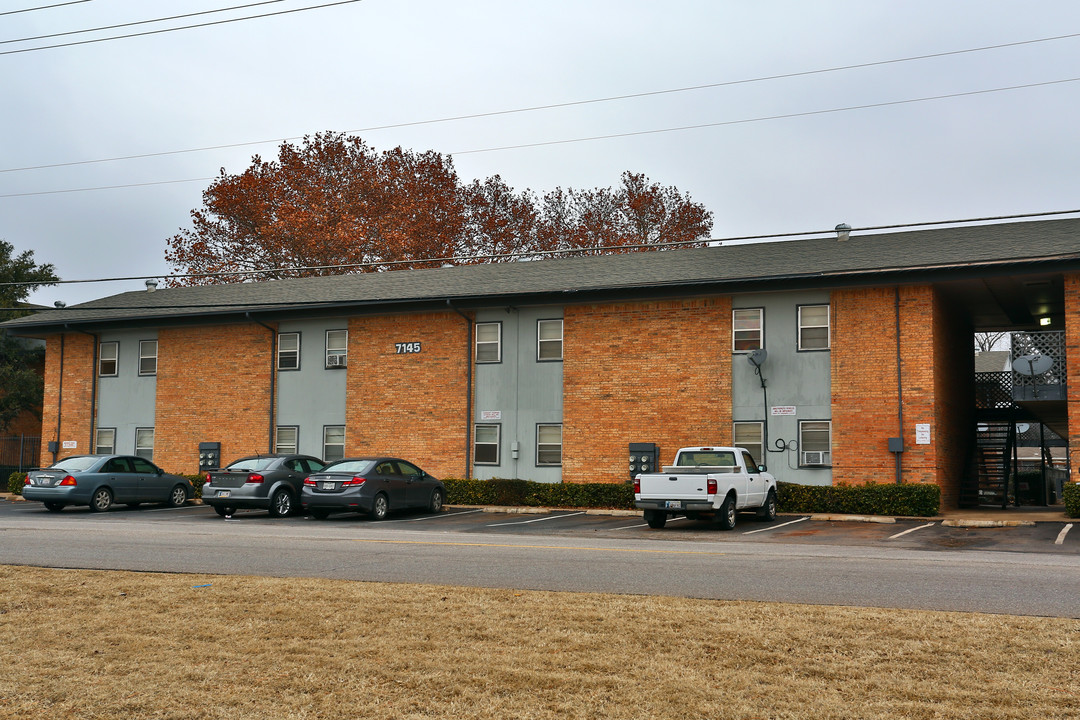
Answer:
(313, 396)
(126, 401)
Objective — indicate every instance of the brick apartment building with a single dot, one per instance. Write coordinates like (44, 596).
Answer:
(548, 370)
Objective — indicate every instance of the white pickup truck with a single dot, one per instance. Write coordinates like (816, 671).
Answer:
(707, 481)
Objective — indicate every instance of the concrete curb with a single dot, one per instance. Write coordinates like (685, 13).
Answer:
(883, 519)
(987, 523)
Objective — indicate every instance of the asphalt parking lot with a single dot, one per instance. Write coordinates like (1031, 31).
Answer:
(917, 534)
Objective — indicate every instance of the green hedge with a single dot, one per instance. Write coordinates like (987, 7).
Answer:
(909, 499)
(1071, 495)
(15, 482)
(500, 491)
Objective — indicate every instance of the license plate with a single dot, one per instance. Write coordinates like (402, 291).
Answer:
(673, 504)
(224, 493)
(328, 486)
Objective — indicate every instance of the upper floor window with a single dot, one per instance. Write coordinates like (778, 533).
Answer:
(815, 442)
(549, 444)
(549, 339)
(337, 348)
(144, 443)
(288, 354)
(148, 357)
(747, 329)
(108, 352)
(488, 342)
(287, 439)
(813, 327)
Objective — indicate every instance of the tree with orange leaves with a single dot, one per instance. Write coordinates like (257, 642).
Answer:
(335, 205)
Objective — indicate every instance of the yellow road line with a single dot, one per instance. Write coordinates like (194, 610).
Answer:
(539, 547)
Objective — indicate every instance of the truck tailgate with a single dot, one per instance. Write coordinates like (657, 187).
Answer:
(670, 486)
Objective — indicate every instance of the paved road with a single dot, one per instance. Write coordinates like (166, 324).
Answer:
(1031, 571)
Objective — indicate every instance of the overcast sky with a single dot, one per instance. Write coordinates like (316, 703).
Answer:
(362, 65)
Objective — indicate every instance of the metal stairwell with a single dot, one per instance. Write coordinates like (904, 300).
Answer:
(992, 465)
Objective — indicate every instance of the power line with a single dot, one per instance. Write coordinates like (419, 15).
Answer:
(139, 22)
(808, 113)
(573, 103)
(183, 27)
(42, 7)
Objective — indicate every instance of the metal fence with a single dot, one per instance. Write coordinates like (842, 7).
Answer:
(18, 453)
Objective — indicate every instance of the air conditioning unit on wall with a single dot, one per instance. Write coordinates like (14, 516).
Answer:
(335, 361)
(812, 457)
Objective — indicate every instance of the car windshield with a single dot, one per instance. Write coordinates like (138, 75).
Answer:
(74, 464)
(252, 464)
(349, 466)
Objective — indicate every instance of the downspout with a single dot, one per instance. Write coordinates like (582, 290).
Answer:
(468, 389)
(273, 374)
(899, 384)
(93, 384)
(59, 402)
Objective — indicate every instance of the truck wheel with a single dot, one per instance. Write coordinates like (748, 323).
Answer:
(655, 519)
(725, 516)
(767, 511)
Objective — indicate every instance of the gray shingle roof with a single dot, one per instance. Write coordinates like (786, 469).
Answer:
(819, 261)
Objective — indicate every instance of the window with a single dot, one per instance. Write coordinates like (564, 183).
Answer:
(549, 339)
(287, 439)
(815, 442)
(140, 465)
(148, 357)
(333, 442)
(486, 444)
(105, 442)
(549, 444)
(747, 329)
(288, 351)
(749, 435)
(144, 443)
(813, 327)
(107, 354)
(488, 342)
(337, 348)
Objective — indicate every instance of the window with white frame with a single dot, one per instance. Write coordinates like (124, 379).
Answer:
(105, 441)
(333, 443)
(288, 352)
(148, 357)
(287, 439)
(815, 443)
(108, 352)
(747, 326)
(486, 444)
(549, 444)
(144, 443)
(813, 327)
(489, 342)
(750, 435)
(549, 339)
(337, 348)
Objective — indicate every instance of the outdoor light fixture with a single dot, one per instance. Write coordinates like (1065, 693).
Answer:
(1044, 321)
(843, 231)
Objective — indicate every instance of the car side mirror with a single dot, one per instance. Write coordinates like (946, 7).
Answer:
(761, 468)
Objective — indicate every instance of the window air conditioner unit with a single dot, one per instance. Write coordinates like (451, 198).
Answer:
(335, 361)
(811, 457)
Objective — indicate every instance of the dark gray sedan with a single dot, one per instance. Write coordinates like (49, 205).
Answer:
(100, 480)
(371, 485)
(268, 482)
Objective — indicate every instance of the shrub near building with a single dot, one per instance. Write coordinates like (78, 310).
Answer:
(1071, 495)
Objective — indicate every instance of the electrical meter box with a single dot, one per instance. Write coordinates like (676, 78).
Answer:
(209, 456)
(644, 458)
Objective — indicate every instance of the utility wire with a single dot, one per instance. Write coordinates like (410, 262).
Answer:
(42, 7)
(183, 27)
(638, 133)
(552, 106)
(139, 22)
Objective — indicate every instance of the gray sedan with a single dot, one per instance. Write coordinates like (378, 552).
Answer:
(371, 485)
(100, 480)
(268, 482)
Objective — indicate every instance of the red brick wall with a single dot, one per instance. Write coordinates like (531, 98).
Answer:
(643, 372)
(213, 384)
(1072, 359)
(75, 416)
(412, 405)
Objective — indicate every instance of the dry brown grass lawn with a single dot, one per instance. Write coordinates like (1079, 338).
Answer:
(88, 644)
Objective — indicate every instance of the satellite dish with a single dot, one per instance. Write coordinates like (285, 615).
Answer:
(757, 357)
(1022, 428)
(1033, 364)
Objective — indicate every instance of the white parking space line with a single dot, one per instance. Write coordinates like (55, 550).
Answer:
(541, 519)
(1061, 535)
(630, 527)
(774, 527)
(911, 530)
(432, 517)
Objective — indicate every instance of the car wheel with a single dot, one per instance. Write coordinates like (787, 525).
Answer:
(281, 504)
(320, 514)
(222, 510)
(101, 500)
(436, 501)
(656, 519)
(725, 516)
(54, 506)
(379, 507)
(177, 497)
(768, 510)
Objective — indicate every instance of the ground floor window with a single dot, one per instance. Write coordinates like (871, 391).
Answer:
(750, 435)
(106, 441)
(815, 443)
(144, 443)
(549, 444)
(287, 439)
(486, 444)
(333, 443)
